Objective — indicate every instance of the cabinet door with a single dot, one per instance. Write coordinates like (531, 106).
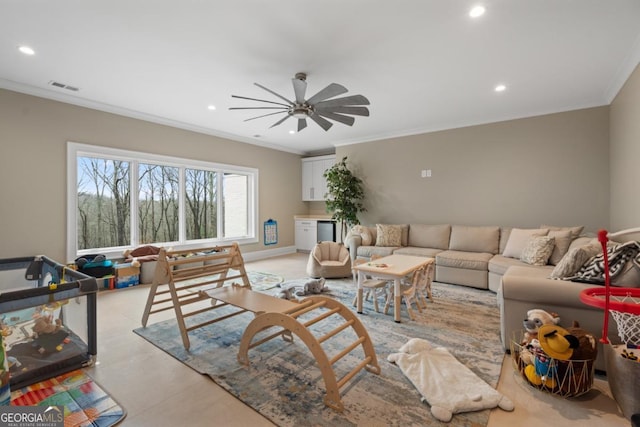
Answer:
(307, 181)
(314, 185)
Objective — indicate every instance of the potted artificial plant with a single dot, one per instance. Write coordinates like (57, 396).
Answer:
(345, 195)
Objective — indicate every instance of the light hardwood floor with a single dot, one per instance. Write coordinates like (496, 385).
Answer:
(157, 390)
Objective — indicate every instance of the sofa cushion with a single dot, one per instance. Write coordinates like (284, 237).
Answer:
(429, 236)
(499, 264)
(413, 250)
(466, 260)
(575, 231)
(505, 232)
(518, 240)
(538, 250)
(574, 259)
(563, 241)
(474, 239)
(368, 251)
(388, 235)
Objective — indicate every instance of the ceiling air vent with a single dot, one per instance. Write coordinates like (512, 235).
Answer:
(63, 86)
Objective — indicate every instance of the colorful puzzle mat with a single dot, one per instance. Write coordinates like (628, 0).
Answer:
(85, 402)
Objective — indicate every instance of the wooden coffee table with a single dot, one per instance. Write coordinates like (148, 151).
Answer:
(392, 267)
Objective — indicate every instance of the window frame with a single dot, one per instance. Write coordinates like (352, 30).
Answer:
(75, 150)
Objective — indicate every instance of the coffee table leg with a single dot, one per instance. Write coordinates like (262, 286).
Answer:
(359, 293)
(397, 300)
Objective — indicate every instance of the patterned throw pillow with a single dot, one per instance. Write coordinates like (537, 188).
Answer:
(538, 250)
(573, 260)
(388, 235)
(518, 238)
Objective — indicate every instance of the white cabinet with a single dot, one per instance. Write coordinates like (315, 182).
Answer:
(314, 185)
(306, 235)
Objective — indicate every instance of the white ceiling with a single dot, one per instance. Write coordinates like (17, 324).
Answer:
(424, 65)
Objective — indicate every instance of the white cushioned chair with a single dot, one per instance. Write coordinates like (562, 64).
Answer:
(329, 260)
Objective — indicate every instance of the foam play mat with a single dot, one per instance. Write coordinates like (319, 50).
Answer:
(85, 402)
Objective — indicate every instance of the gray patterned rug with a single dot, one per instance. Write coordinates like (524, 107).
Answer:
(285, 385)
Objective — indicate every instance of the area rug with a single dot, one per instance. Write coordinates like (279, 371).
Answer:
(284, 384)
(85, 402)
(261, 281)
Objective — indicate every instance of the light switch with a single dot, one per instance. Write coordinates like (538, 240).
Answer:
(424, 173)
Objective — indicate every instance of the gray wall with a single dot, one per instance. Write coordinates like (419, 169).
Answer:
(33, 200)
(549, 169)
(625, 155)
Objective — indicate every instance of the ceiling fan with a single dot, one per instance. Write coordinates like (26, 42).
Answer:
(320, 107)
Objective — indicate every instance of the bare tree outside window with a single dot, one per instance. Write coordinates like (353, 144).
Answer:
(103, 203)
(201, 204)
(158, 203)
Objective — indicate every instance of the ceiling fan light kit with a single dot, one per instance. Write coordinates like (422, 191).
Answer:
(320, 107)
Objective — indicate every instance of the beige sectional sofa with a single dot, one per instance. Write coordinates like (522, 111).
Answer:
(465, 255)
(483, 257)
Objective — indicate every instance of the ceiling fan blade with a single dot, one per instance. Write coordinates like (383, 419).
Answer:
(264, 115)
(356, 111)
(337, 117)
(299, 87)
(347, 100)
(274, 93)
(261, 100)
(302, 123)
(324, 123)
(280, 121)
(259, 108)
(334, 89)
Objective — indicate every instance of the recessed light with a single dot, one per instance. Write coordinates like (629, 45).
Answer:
(500, 88)
(477, 11)
(26, 50)
(291, 132)
(211, 107)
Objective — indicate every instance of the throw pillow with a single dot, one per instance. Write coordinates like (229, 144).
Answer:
(538, 250)
(575, 231)
(574, 259)
(519, 238)
(563, 241)
(363, 232)
(388, 235)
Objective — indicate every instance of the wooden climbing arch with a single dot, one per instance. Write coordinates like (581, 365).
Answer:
(289, 324)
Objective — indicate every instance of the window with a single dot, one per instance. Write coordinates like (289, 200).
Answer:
(120, 199)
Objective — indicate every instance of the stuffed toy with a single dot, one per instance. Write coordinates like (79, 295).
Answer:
(363, 232)
(45, 325)
(577, 372)
(535, 318)
(556, 343)
(447, 385)
(141, 254)
(310, 287)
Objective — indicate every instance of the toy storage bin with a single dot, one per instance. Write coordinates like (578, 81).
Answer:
(48, 318)
(565, 378)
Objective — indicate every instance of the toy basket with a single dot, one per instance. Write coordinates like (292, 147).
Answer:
(565, 378)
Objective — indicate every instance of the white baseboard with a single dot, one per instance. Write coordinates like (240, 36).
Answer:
(268, 253)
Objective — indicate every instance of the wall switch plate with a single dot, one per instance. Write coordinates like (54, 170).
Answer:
(426, 173)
